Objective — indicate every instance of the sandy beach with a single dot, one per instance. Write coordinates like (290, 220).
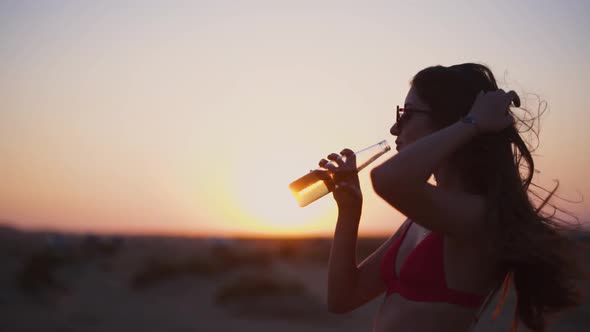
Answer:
(52, 282)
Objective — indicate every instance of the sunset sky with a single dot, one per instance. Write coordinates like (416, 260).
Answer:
(193, 117)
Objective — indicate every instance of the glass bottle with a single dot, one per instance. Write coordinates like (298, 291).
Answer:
(319, 182)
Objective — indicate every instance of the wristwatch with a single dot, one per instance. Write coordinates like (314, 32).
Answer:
(470, 120)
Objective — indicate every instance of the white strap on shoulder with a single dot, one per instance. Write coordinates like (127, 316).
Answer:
(484, 305)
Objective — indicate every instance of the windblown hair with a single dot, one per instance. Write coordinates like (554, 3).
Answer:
(536, 247)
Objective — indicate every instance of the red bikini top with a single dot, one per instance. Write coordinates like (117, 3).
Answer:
(422, 275)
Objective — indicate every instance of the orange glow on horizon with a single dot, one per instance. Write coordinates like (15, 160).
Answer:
(197, 121)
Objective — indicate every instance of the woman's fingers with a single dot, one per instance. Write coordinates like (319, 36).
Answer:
(513, 98)
(342, 161)
(347, 152)
(336, 158)
(332, 165)
(327, 165)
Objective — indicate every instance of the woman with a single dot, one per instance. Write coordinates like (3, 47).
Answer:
(477, 228)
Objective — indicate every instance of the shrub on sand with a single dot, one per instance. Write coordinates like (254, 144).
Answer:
(220, 261)
(157, 270)
(38, 272)
(270, 297)
(258, 285)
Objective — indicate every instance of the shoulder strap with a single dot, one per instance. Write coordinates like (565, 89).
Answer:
(485, 304)
(505, 285)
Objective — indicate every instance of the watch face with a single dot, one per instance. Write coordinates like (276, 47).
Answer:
(469, 119)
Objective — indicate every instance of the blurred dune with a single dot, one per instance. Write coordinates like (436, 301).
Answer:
(69, 282)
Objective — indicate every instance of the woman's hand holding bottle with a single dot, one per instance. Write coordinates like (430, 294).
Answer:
(347, 189)
(339, 175)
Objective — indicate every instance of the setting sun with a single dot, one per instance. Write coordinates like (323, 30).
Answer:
(262, 194)
(122, 119)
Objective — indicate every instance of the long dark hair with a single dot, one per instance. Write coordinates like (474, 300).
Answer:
(533, 246)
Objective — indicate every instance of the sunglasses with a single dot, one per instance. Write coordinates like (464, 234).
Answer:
(401, 111)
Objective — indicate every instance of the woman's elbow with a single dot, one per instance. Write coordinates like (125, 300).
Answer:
(378, 181)
(386, 183)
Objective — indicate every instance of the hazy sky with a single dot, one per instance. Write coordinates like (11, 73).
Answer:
(193, 117)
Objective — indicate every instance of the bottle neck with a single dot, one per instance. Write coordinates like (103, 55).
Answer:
(368, 155)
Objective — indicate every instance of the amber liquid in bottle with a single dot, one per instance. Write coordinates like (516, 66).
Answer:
(319, 182)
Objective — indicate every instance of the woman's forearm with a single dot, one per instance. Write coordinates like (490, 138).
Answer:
(342, 267)
(416, 163)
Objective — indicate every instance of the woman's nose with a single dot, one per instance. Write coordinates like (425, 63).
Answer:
(394, 129)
